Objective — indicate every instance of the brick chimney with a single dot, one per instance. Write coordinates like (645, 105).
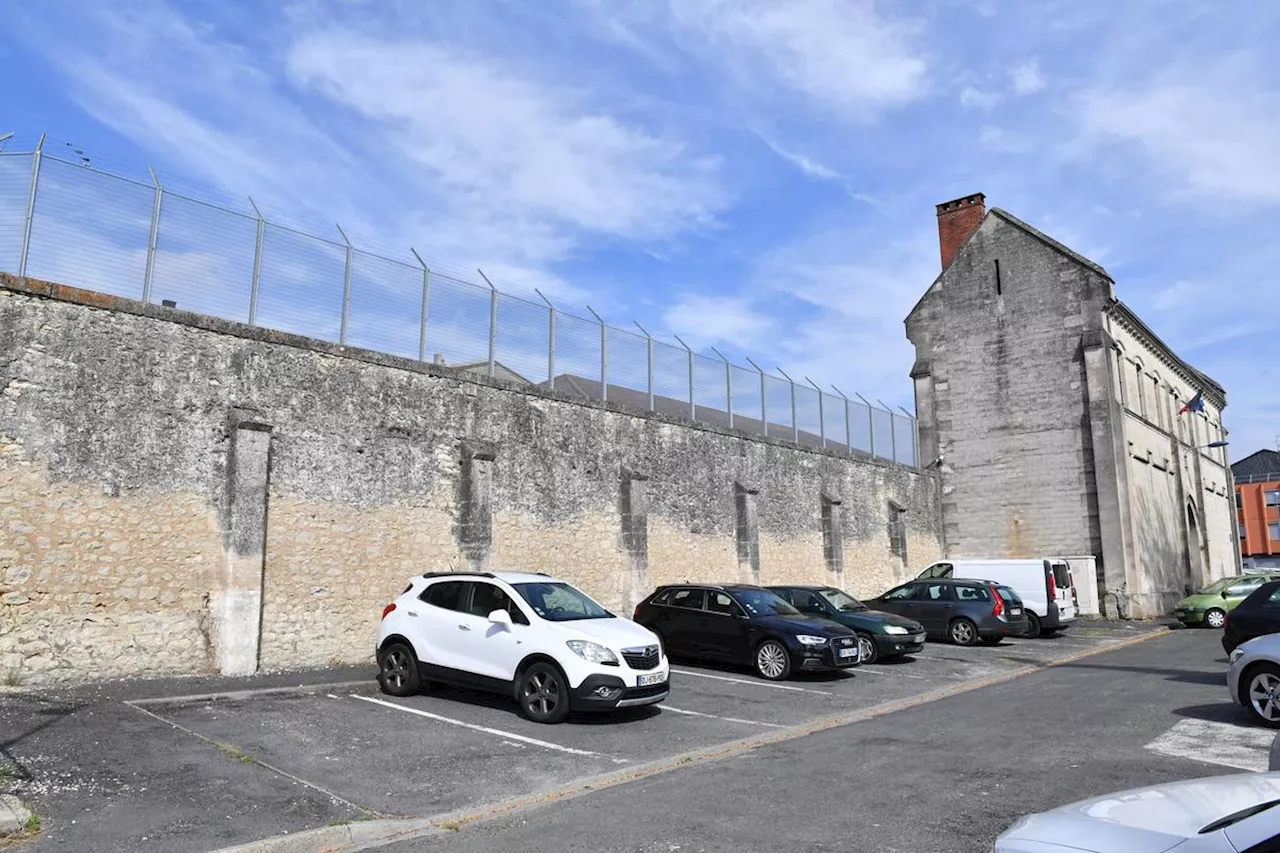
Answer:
(957, 220)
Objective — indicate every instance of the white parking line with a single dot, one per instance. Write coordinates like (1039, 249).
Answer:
(497, 732)
(885, 671)
(1241, 747)
(666, 707)
(753, 683)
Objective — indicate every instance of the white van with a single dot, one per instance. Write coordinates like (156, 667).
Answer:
(1046, 587)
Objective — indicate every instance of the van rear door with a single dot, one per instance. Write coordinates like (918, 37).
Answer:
(1061, 588)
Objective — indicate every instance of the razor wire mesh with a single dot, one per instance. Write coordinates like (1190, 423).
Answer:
(68, 222)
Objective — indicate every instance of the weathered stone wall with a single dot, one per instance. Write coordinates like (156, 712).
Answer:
(183, 494)
(1001, 395)
(1055, 413)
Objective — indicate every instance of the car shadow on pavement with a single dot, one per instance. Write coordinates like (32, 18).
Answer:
(1183, 676)
(461, 696)
(798, 676)
(1225, 711)
(29, 706)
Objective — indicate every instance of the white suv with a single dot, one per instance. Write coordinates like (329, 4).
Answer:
(529, 636)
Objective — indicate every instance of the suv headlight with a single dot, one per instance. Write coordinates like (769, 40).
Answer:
(1236, 654)
(810, 640)
(895, 629)
(592, 652)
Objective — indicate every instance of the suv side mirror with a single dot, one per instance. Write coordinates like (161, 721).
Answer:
(500, 617)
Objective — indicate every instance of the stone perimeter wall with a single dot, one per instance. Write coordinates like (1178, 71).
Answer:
(180, 494)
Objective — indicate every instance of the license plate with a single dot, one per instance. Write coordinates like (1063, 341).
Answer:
(1015, 611)
(848, 653)
(652, 678)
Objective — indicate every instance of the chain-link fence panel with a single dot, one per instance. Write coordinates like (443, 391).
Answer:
(779, 403)
(629, 369)
(90, 228)
(747, 400)
(523, 344)
(15, 189)
(904, 431)
(671, 366)
(300, 284)
(204, 258)
(884, 438)
(809, 415)
(385, 310)
(458, 323)
(577, 356)
(710, 391)
(833, 421)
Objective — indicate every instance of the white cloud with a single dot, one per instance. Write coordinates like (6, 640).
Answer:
(805, 164)
(1215, 137)
(1028, 78)
(501, 141)
(711, 320)
(842, 54)
(974, 98)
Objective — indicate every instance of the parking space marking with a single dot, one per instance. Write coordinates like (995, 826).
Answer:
(1241, 747)
(496, 732)
(666, 707)
(755, 683)
(887, 671)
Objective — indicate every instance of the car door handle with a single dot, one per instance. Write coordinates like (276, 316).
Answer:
(412, 612)
(464, 627)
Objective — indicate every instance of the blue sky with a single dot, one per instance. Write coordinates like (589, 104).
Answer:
(754, 175)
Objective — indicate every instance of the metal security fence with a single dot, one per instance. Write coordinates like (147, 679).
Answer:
(67, 221)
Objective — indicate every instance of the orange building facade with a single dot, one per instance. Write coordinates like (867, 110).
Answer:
(1257, 482)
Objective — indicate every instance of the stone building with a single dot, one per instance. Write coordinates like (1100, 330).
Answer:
(1056, 414)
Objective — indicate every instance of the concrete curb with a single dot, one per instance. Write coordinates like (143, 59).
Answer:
(454, 821)
(359, 835)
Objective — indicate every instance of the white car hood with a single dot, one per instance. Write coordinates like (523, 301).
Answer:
(1144, 820)
(615, 633)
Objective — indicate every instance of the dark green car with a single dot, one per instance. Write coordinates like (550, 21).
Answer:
(880, 635)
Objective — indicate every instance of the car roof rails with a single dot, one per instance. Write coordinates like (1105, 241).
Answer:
(459, 575)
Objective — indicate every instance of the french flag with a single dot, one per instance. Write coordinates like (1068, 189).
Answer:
(1195, 404)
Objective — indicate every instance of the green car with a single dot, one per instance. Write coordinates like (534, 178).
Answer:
(880, 635)
(1210, 606)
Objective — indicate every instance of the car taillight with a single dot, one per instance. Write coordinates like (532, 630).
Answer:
(635, 617)
(999, 608)
(388, 609)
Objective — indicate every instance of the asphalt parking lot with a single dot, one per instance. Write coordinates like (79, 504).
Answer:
(352, 752)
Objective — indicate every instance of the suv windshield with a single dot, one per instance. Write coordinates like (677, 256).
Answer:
(759, 602)
(842, 601)
(559, 602)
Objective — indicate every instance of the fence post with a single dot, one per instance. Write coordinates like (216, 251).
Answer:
(257, 264)
(346, 288)
(728, 385)
(493, 325)
(795, 424)
(152, 238)
(604, 354)
(893, 432)
(871, 420)
(822, 414)
(551, 342)
(426, 306)
(764, 409)
(649, 359)
(25, 249)
(848, 421)
(693, 405)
